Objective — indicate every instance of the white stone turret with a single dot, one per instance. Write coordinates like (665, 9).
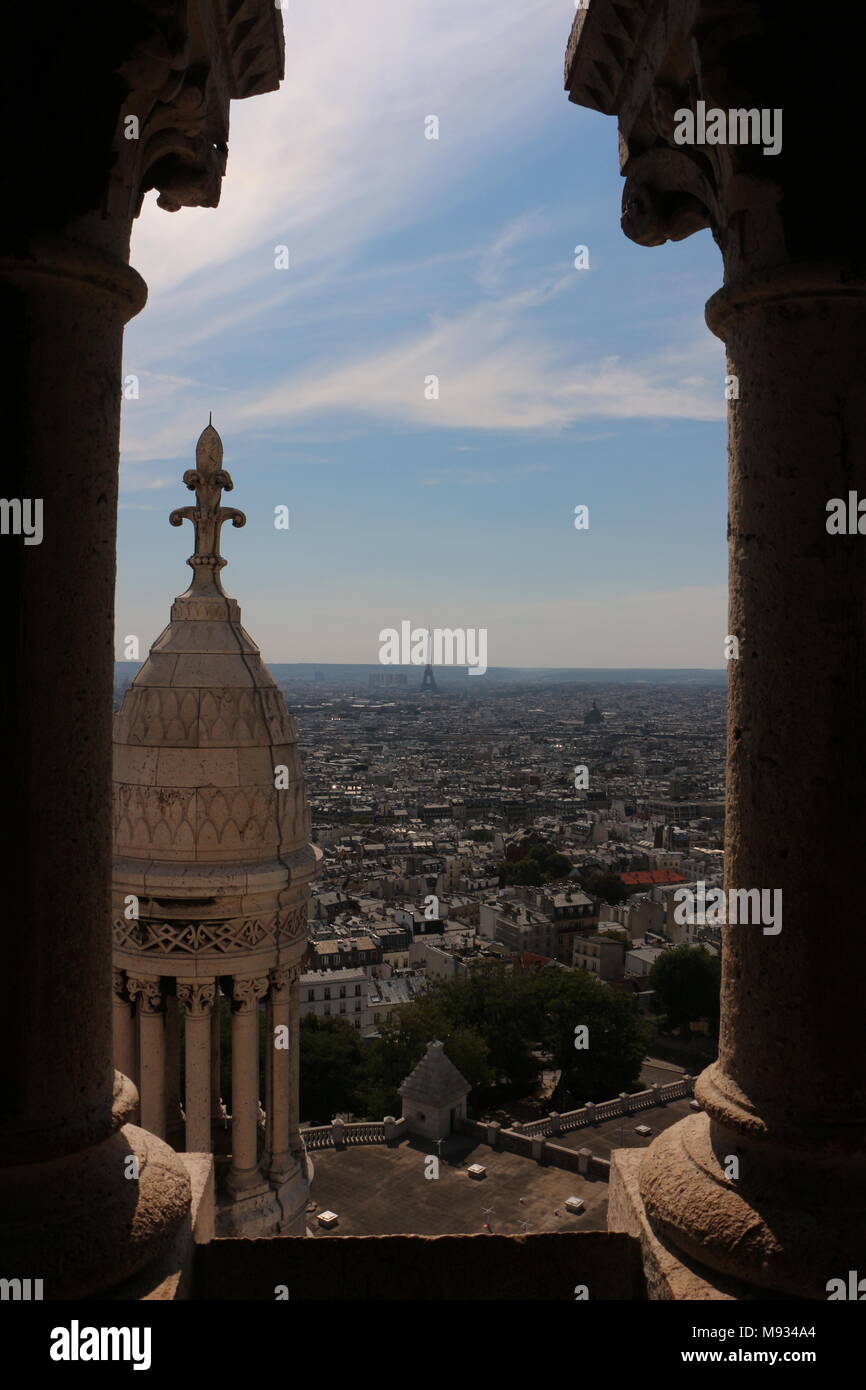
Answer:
(212, 866)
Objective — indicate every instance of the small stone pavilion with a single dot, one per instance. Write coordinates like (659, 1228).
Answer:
(434, 1095)
(212, 864)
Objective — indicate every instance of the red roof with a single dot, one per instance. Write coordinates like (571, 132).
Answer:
(650, 878)
(525, 960)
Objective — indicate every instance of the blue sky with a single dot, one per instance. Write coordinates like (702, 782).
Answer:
(411, 257)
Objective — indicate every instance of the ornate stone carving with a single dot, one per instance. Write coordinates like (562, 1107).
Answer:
(182, 75)
(247, 990)
(196, 997)
(148, 989)
(282, 977)
(221, 821)
(119, 985)
(158, 715)
(279, 982)
(207, 480)
(150, 818)
(161, 716)
(191, 937)
(646, 68)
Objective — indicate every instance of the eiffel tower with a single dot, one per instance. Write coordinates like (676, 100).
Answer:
(428, 680)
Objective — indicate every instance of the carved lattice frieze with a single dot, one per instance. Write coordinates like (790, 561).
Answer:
(190, 937)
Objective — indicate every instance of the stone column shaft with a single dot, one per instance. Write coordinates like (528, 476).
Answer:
(278, 1044)
(244, 1174)
(67, 1212)
(295, 1142)
(125, 1042)
(766, 1188)
(64, 309)
(196, 999)
(215, 1045)
(151, 1041)
(786, 1097)
(268, 1083)
(173, 1116)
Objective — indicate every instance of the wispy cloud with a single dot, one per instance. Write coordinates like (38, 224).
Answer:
(402, 268)
(326, 163)
(494, 372)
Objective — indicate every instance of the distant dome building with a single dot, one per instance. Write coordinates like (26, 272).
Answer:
(593, 715)
(212, 867)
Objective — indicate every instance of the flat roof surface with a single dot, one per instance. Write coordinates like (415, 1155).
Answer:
(619, 1133)
(377, 1190)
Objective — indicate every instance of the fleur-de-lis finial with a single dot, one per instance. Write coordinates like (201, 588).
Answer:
(207, 480)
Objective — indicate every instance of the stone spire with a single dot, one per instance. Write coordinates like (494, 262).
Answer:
(207, 480)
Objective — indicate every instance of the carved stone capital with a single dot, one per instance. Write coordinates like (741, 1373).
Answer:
(247, 991)
(149, 991)
(196, 997)
(188, 63)
(282, 979)
(145, 104)
(119, 986)
(714, 131)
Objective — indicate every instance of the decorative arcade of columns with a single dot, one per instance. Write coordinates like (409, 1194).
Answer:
(143, 1051)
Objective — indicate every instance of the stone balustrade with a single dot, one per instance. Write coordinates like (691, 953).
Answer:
(338, 1134)
(523, 1139)
(591, 1114)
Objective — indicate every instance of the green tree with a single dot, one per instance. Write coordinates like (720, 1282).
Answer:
(687, 984)
(601, 883)
(402, 1042)
(615, 1041)
(490, 1002)
(332, 1066)
(537, 863)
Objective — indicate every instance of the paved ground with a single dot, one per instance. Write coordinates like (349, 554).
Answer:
(376, 1190)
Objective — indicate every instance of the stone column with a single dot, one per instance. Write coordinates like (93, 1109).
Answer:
(217, 1107)
(148, 989)
(149, 110)
(63, 307)
(244, 1174)
(173, 1113)
(786, 1097)
(766, 1188)
(196, 998)
(296, 1143)
(278, 1099)
(125, 1042)
(265, 1157)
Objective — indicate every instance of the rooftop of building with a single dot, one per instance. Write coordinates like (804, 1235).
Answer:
(326, 977)
(382, 1190)
(650, 877)
(399, 989)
